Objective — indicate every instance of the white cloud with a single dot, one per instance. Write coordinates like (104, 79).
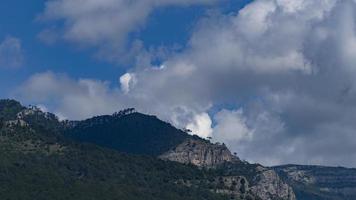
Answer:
(70, 98)
(11, 53)
(126, 80)
(292, 6)
(201, 125)
(255, 19)
(231, 126)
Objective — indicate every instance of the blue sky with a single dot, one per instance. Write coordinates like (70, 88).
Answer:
(267, 77)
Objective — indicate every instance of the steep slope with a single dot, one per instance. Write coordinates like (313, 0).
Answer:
(320, 183)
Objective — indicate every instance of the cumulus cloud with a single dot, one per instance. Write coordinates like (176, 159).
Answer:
(126, 80)
(231, 126)
(11, 53)
(284, 68)
(201, 125)
(256, 134)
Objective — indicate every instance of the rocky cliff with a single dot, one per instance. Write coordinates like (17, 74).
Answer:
(200, 153)
(260, 181)
(270, 186)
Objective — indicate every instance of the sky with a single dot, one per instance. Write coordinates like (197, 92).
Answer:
(275, 80)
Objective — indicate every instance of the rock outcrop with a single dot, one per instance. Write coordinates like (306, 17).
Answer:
(200, 153)
(270, 186)
(264, 183)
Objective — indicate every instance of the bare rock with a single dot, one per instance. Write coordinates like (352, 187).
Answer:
(200, 153)
(269, 186)
(265, 183)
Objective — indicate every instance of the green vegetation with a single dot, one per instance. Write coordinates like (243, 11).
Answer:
(88, 172)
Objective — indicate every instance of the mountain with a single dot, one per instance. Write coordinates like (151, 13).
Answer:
(319, 182)
(133, 156)
(136, 133)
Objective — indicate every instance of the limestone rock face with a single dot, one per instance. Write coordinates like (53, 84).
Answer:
(269, 186)
(200, 153)
(264, 183)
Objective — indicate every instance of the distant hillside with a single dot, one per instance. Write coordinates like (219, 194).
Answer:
(320, 183)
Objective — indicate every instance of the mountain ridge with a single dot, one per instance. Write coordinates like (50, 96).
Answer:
(135, 135)
(38, 163)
